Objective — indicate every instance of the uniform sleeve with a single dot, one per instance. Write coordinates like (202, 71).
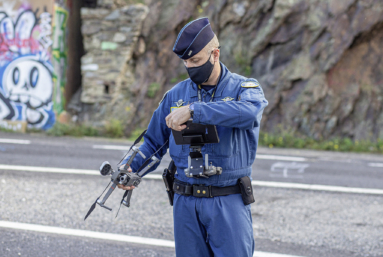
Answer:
(158, 133)
(245, 113)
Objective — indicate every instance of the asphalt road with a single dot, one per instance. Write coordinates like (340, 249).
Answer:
(285, 221)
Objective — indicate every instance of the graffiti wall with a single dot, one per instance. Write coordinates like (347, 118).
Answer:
(27, 78)
(59, 54)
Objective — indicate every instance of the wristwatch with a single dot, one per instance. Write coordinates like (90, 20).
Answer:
(191, 109)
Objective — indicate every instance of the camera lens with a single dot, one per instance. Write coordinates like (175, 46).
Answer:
(105, 168)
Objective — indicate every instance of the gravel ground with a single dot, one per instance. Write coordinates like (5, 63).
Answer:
(66, 246)
(46, 199)
(338, 221)
(345, 222)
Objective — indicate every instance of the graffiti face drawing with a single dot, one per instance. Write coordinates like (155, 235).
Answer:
(6, 110)
(26, 76)
(29, 82)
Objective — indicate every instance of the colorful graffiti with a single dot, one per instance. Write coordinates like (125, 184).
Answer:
(59, 51)
(26, 73)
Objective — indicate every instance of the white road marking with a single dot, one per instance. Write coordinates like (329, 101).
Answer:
(259, 156)
(48, 169)
(379, 165)
(281, 158)
(108, 236)
(314, 187)
(14, 141)
(264, 254)
(87, 233)
(112, 147)
(62, 170)
(159, 177)
(288, 169)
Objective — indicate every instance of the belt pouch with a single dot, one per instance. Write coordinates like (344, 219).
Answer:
(246, 190)
(168, 177)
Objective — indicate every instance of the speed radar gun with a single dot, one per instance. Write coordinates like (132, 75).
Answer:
(121, 176)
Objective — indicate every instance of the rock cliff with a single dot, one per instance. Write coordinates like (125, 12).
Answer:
(319, 62)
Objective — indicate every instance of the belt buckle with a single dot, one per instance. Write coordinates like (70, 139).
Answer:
(202, 191)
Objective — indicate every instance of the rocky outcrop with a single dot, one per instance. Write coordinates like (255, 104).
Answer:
(110, 35)
(319, 62)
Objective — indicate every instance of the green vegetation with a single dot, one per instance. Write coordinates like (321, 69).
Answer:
(243, 64)
(289, 140)
(60, 129)
(134, 1)
(135, 134)
(114, 129)
(153, 89)
(2, 129)
(180, 77)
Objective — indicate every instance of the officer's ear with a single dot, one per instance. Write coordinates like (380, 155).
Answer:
(216, 54)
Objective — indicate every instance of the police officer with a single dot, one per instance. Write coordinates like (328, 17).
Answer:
(220, 224)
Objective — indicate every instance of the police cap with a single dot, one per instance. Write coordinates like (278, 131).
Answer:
(193, 37)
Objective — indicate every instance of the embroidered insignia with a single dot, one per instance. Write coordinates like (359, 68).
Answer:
(179, 103)
(249, 84)
(227, 98)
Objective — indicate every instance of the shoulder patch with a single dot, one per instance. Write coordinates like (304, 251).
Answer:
(163, 97)
(227, 98)
(249, 84)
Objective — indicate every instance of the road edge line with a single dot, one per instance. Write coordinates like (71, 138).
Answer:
(108, 236)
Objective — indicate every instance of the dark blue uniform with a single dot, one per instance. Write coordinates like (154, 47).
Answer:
(221, 225)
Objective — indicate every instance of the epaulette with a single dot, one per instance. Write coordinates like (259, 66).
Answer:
(250, 84)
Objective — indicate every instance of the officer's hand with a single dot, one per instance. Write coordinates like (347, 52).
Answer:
(178, 117)
(126, 187)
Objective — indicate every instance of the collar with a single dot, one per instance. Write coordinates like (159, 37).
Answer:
(225, 75)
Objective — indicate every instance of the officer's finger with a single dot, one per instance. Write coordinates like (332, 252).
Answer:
(179, 128)
(168, 122)
(168, 117)
(125, 187)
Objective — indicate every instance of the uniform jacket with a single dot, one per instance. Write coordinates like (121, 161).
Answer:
(236, 110)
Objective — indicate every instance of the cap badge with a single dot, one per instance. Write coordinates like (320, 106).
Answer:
(227, 98)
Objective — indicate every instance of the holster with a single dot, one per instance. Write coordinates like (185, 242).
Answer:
(246, 190)
(168, 177)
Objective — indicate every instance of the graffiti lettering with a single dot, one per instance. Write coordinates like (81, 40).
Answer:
(59, 57)
(46, 30)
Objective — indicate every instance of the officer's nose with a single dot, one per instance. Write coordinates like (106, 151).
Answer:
(187, 64)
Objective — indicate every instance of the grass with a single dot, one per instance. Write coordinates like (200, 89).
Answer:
(289, 140)
(112, 129)
(2, 129)
(135, 134)
(60, 129)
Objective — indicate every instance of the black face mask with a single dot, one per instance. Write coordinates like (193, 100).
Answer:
(201, 73)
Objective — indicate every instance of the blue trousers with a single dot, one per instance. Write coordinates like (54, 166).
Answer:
(218, 226)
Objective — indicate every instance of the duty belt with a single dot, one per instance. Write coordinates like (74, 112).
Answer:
(204, 191)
